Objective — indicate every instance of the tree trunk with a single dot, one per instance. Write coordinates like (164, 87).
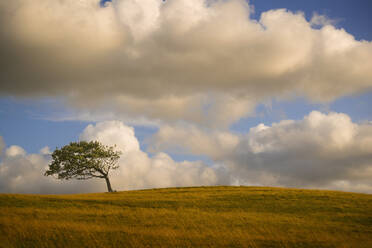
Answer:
(109, 189)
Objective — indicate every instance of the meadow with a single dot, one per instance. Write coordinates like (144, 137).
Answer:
(188, 217)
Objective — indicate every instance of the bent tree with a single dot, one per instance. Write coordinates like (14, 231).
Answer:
(84, 160)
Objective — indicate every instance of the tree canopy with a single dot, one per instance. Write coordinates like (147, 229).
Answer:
(84, 160)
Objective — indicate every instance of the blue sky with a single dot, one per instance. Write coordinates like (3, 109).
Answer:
(177, 85)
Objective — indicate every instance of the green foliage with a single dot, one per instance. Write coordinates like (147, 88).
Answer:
(189, 217)
(84, 160)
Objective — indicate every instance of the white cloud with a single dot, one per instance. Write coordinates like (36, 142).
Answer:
(138, 170)
(15, 151)
(197, 61)
(186, 66)
(140, 17)
(191, 140)
(112, 133)
(45, 151)
(320, 151)
(322, 20)
(23, 173)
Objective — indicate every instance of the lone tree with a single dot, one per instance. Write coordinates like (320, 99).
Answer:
(84, 160)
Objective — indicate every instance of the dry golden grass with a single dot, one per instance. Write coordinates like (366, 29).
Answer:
(188, 217)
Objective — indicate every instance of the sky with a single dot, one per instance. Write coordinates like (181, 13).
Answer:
(265, 92)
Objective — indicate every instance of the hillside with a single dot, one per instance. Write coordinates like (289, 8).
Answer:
(188, 217)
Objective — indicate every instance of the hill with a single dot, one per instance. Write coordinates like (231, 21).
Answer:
(188, 217)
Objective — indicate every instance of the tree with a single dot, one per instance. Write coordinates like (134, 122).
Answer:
(84, 160)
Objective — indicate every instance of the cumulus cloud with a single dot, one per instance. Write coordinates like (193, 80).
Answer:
(23, 173)
(112, 133)
(320, 151)
(174, 60)
(187, 66)
(192, 140)
(138, 170)
(15, 151)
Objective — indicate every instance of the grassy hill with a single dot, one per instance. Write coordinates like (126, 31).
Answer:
(188, 217)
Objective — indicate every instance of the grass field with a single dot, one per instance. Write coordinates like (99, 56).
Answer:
(188, 217)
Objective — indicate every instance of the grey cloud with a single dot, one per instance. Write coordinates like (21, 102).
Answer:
(135, 57)
(2, 145)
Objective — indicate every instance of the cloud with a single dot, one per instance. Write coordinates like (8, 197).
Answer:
(45, 151)
(23, 173)
(15, 151)
(2, 145)
(138, 170)
(319, 151)
(322, 20)
(188, 66)
(183, 60)
(194, 141)
(113, 133)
